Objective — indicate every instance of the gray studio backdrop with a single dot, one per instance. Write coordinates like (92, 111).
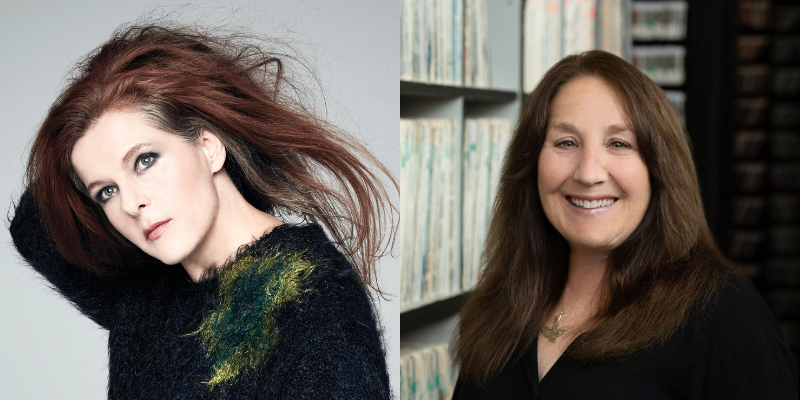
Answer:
(47, 349)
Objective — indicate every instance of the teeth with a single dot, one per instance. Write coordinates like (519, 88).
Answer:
(591, 204)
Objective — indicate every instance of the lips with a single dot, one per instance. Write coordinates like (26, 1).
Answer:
(154, 231)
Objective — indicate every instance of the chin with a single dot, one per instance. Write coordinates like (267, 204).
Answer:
(169, 259)
(599, 244)
(172, 259)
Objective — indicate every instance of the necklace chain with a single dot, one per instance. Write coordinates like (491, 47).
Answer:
(578, 302)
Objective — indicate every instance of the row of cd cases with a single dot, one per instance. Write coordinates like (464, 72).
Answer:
(765, 157)
(658, 30)
(766, 179)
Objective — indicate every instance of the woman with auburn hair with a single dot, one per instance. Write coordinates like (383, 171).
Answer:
(601, 278)
(155, 187)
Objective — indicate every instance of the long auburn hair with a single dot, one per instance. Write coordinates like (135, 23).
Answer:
(280, 155)
(665, 270)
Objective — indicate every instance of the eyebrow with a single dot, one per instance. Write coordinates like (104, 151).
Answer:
(567, 127)
(125, 160)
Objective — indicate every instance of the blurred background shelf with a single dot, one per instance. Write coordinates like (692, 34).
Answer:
(420, 89)
(420, 315)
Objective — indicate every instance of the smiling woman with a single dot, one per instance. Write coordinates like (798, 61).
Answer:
(601, 278)
(593, 184)
(155, 184)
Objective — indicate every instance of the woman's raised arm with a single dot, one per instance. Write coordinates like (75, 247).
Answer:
(95, 297)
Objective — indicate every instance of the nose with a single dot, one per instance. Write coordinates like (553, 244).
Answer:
(591, 168)
(133, 201)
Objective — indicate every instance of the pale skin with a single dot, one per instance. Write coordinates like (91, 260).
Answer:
(238, 223)
(143, 177)
(589, 154)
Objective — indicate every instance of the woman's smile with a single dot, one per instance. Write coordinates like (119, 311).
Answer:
(590, 206)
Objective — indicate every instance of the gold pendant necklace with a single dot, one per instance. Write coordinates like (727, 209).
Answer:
(555, 331)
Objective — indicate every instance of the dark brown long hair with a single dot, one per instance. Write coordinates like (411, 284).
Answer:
(667, 268)
(281, 156)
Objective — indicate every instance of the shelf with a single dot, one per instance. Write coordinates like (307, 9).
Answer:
(659, 42)
(418, 89)
(426, 313)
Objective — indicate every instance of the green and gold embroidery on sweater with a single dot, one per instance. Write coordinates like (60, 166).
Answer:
(241, 334)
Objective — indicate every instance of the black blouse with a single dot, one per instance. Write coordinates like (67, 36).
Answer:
(731, 350)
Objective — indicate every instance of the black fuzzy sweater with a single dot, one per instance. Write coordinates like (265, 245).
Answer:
(288, 318)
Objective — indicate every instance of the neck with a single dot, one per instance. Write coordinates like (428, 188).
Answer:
(237, 223)
(587, 269)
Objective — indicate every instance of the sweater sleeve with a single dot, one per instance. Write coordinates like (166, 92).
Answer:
(94, 297)
(337, 343)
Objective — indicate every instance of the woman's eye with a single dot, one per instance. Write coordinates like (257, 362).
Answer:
(144, 161)
(619, 145)
(566, 143)
(105, 193)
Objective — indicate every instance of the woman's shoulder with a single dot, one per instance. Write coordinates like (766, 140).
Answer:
(737, 339)
(299, 249)
(734, 317)
(289, 264)
(737, 306)
(309, 239)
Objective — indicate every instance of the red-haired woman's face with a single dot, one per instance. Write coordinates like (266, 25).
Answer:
(593, 183)
(155, 187)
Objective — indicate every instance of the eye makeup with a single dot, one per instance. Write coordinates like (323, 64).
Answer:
(145, 161)
(142, 163)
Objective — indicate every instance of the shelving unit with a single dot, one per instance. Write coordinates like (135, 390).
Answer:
(751, 70)
(659, 29)
(764, 223)
(432, 322)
